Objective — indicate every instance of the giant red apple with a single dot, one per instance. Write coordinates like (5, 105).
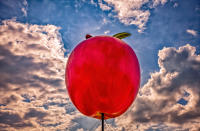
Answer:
(102, 76)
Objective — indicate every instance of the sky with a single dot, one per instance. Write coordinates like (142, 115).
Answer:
(36, 38)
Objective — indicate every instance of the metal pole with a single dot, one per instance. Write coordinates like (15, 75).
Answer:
(102, 118)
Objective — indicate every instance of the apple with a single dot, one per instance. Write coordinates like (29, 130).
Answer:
(102, 76)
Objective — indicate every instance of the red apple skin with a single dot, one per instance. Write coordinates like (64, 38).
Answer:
(102, 76)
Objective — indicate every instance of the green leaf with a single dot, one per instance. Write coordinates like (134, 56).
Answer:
(122, 35)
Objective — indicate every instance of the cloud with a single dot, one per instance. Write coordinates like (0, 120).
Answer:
(12, 9)
(175, 5)
(12, 120)
(93, 3)
(106, 32)
(192, 32)
(103, 6)
(25, 7)
(131, 12)
(157, 2)
(158, 104)
(32, 87)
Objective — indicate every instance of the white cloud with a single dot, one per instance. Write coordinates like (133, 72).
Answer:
(130, 12)
(93, 3)
(192, 32)
(24, 11)
(175, 5)
(105, 21)
(106, 32)
(157, 2)
(103, 6)
(32, 65)
(25, 7)
(32, 87)
(25, 3)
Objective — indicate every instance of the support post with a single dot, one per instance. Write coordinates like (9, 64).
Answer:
(102, 118)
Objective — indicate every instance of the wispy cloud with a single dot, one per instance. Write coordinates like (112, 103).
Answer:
(158, 2)
(25, 8)
(131, 12)
(106, 32)
(192, 32)
(104, 6)
(175, 5)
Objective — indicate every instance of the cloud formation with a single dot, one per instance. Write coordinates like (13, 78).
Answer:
(131, 12)
(158, 105)
(25, 8)
(192, 32)
(32, 88)
(103, 6)
(12, 9)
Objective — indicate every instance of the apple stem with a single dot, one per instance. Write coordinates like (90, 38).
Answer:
(102, 118)
(87, 36)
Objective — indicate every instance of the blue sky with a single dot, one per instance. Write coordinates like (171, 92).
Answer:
(154, 25)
